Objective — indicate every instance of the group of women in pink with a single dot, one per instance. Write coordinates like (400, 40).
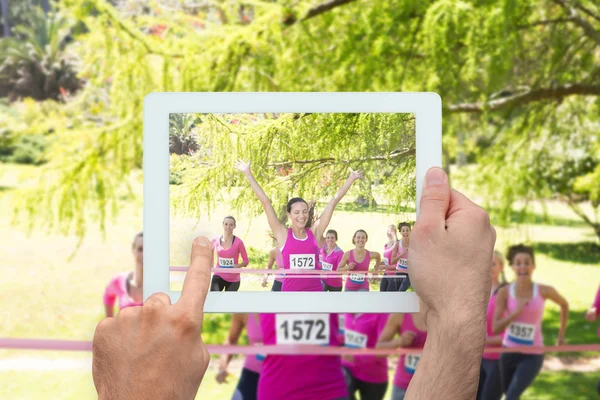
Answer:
(515, 313)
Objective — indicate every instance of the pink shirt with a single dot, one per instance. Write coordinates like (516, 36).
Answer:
(117, 289)
(228, 258)
(254, 362)
(301, 254)
(330, 262)
(526, 330)
(407, 363)
(402, 265)
(387, 255)
(279, 264)
(300, 377)
(489, 321)
(597, 305)
(362, 331)
(357, 280)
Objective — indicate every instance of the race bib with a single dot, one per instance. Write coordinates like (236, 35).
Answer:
(226, 262)
(340, 323)
(386, 261)
(302, 329)
(355, 339)
(402, 264)
(302, 261)
(327, 266)
(410, 362)
(521, 333)
(357, 278)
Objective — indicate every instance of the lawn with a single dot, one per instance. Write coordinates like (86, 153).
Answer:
(54, 292)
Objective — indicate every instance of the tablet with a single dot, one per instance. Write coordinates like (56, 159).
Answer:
(352, 164)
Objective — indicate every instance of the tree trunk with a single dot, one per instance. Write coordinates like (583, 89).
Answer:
(4, 5)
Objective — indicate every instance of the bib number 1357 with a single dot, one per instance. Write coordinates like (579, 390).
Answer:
(302, 329)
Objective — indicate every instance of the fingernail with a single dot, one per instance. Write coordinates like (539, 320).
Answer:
(435, 176)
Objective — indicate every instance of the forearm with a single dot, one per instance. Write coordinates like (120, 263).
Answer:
(110, 310)
(494, 340)
(224, 361)
(564, 318)
(258, 191)
(449, 367)
(501, 324)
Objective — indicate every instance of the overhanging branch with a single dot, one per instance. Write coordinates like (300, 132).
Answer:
(589, 30)
(316, 10)
(331, 160)
(555, 93)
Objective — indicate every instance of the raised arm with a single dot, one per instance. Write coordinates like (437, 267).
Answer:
(235, 331)
(320, 226)
(277, 227)
(548, 292)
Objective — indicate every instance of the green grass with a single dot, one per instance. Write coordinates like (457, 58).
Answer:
(563, 385)
(50, 295)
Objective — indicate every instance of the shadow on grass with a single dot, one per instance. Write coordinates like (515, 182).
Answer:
(563, 385)
(582, 252)
(579, 331)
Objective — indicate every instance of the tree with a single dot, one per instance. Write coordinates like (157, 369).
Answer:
(502, 68)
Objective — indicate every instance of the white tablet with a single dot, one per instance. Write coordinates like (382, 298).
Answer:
(297, 146)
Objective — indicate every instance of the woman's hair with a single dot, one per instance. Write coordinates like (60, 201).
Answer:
(519, 248)
(311, 209)
(401, 224)
(333, 233)
(231, 218)
(500, 257)
(355, 233)
(139, 235)
(394, 227)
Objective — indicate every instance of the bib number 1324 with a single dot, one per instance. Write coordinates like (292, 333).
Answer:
(302, 329)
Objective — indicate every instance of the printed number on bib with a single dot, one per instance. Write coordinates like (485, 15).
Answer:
(386, 261)
(357, 278)
(226, 262)
(327, 266)
(302, 261)
(403, 264)
(410, 362)
(521, 333)
(354, 339)
(302, 328)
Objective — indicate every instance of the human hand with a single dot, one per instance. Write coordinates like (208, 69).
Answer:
(560, 341)
(355, 175)
(222, 376)
(435, 254)
(264, 282)
(351, 265)
(242, 166)
(406, 338)
(155, 351)
(591, 314)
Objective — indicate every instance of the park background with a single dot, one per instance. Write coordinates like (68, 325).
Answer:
(520, 84)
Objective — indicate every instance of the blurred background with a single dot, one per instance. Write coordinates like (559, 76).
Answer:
(520, 84)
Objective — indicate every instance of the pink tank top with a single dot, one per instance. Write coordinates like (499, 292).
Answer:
(301, 254)
(362, 331)
(300, 377)
(407, 363)
(597, 306)
(402, 265)
(279, 264)
(330, 262)
(387, 258)
(526, 330)
(228, 258)
(357, 280)
(117, 289)
(489, 320)
(254, 362)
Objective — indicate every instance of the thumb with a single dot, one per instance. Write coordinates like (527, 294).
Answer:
(435, 199)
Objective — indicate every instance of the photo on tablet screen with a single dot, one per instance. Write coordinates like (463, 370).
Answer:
(337, 210)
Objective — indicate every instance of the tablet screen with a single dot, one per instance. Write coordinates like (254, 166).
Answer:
(302, 162)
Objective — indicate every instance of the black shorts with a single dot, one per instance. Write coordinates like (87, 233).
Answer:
(329, 288)
(247, 386)
(218, 284)
(276, 286)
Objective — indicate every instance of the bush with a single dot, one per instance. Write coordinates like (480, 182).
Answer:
(26, 150)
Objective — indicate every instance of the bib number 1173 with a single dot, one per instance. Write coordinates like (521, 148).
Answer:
(302, 329)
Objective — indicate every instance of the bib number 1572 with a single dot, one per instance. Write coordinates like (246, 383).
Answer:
(302, 329)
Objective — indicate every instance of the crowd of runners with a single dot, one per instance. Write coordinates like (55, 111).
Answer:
(514, 316)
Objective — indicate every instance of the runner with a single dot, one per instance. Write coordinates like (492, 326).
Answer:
(592, 314)
(274, 259)
(299, 244)
(367, 375)
(300, 377)
(403, 280)
(228, 248)
(413, 334)
(389, 253)
(490, 384)
(247, 386)
(331, 255)
(127, 286)
(356, 281)
(523, 302)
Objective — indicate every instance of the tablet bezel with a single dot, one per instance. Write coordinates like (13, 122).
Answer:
(427, 108)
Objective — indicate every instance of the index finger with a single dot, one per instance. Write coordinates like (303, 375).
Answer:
(197, 278)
